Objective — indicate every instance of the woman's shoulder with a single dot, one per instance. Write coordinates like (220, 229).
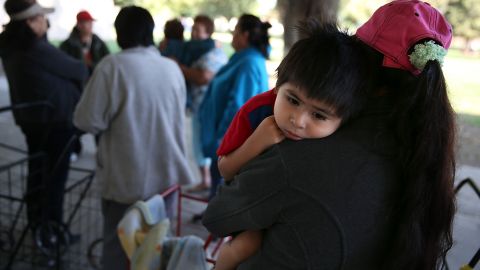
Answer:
(252, 62)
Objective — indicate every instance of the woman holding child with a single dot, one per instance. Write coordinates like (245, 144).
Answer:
(366, 196)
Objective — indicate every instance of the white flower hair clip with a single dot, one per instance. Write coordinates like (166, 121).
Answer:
(422, 53)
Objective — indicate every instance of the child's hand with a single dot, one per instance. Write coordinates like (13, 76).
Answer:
(163, 45)
(267, 133)
(264, 136)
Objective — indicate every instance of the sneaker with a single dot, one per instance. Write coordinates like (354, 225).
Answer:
(73, 157)
(73, 238)
(197, 217)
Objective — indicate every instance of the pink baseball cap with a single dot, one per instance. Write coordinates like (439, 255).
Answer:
(395, 27)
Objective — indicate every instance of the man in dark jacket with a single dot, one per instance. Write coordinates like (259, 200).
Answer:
(83, 44)
(38, 72)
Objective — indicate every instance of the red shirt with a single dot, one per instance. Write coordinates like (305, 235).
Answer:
(246, 120)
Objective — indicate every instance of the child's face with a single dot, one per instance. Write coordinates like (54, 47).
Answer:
(199, 32)
(300, 117)
(85, 27)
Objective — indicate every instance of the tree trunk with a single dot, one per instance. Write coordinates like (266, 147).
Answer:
(294, 11)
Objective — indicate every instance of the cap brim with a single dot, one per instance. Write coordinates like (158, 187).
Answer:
(47, 10)
(32, 11)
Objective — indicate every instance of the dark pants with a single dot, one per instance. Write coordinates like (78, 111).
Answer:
(113, 255)
(47, 171)
(77, 146)
(215, 176)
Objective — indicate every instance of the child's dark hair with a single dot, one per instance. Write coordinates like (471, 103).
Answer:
(328, 65)
(257, 32)
(173, 29)
(134, 26)
(424, 124)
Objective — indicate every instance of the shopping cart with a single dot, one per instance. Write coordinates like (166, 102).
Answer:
(211, 243)
(476, 257)
(21, 243)
(468, 182)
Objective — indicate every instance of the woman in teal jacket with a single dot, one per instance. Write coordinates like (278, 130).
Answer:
(244, 76)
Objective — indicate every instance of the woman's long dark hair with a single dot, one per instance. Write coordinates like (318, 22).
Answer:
(257, 32)
(424, 123)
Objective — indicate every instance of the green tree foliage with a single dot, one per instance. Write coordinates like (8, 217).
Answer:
(441, 5)
(294, 11)
(464, 15)
(214, 8)
(183, 7)
(153, 6)
(123, 3)
(227, 8)
(354, 13)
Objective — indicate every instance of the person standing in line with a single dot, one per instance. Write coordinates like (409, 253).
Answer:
(135, 98)
(84, 45)
(244, 76)
(183, 52)
(37, 72)
(198, 77)
(172, 33)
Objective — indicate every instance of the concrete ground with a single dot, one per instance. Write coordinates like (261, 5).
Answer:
(466, 224)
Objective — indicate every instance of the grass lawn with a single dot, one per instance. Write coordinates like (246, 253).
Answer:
(464, 85)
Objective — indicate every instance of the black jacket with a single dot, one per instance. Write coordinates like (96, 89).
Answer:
(321, 203)
(43, 73)
(73, 47)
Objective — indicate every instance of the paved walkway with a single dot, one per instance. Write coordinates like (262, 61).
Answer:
(466, 224)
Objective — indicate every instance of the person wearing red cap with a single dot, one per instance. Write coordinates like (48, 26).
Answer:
(377, 193)
(83, 44)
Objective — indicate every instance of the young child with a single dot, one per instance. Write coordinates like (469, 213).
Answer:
(184, 52)
(299, 107)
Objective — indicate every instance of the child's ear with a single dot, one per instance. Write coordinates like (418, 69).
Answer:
(275, 90)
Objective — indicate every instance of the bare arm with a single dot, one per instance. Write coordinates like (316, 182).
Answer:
(163, 45)
(196, 75)
(238, 250)
(264, 136)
